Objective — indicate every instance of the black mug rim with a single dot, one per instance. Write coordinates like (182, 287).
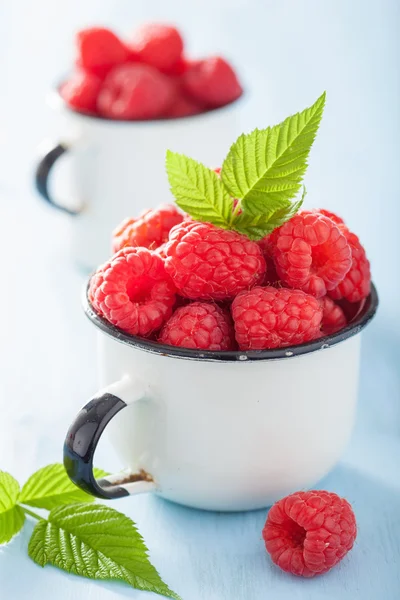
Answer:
(356, 326)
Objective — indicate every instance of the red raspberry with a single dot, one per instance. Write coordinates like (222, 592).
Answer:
(158, 45)
(352, 310)
(333, 317)
(356, 284)
(183, 107)
(271, 276)
(212, 82)
(179, 68)
(207, 262)
(199, 325)
(133, 291)
(308, 533)
(275, 318)
(334, 217)
(327, 213)
(135, 92)
(161, 251)
(150, 229)
(311, 253)
(99, 50)
(81, 90)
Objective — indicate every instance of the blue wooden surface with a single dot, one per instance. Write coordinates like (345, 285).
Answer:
(288, 52)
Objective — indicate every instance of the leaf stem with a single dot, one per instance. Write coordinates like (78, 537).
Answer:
(31, 513)
(236, 211)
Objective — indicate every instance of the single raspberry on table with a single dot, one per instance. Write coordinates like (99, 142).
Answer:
(99, 50)
(308, 533)
(210, 263)
(199, 325)
(211, 82)
(356, 284)
(267, 317)
(158, 45)
(311, 253)
(150, 229)
(135, 92)
(81, 90)
(333, 317)
(133, 292)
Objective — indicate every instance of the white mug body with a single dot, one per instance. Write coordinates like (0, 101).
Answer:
(225, 431)
(233, 436)
(118, 170)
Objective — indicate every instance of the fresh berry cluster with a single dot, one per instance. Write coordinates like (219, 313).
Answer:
(145, 77)
(195, 285)
(308, 533)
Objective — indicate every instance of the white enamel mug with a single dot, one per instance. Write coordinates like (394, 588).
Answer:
(223, 431)
(118, 168)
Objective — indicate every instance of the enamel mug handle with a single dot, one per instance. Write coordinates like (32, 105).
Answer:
(42, 174)
(83, 437)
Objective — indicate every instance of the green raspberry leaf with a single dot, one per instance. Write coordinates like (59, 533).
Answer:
(50, 487)
(257, 227)
(198, 190)
(12, 517)
(95, 541)
(266, 167)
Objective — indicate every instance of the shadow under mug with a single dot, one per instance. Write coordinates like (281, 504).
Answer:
(223, 431)
(118, 168)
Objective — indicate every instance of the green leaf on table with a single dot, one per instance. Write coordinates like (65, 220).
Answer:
(198, 190)
(265, 168)
(50, 487)
(98, 542)
(257, 226)
(12, 517)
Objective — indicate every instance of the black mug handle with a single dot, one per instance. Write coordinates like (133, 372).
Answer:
(42, 173)
(82, 439)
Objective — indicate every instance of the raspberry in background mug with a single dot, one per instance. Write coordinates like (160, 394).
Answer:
(124, 104)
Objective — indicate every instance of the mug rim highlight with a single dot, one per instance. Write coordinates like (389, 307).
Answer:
(353, 328)
(55, 100)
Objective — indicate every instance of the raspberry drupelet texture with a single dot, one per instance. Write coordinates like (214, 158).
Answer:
(150, 229)
(327, 213)
(274, 318)
(211, 82)
(308, 533)
(311, 253)
(135, 91)
(99, 50)
(333, 317)
(356, 284)
(81, 90)
(271, 276)
(133, 292)
(157, 45)
(210, 263)
(199, 325)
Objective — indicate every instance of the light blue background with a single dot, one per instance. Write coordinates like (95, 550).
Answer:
(288, 52)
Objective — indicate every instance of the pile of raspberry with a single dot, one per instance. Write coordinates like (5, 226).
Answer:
(191, 284)
(145, 77)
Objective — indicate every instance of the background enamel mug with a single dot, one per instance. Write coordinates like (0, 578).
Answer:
(118, 168)
(213, 430)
